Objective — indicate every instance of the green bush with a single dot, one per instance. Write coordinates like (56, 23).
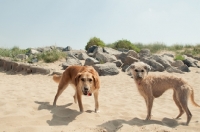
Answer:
(13, 52)
(51, 56)
(123, 44)
(94, 41)
(179, 57)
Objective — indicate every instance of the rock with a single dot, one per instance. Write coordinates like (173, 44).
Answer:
(91, 61)
(83, 56)
(173, 69)
(144, 53)
(155, 66)
(71, 61)
(161, 60)
(177, 63)
(184, 68)
(118, 63)
(190, 62)
(22, 56)
(111, 51)
(68, 48)
(106, 69)
(104, 57)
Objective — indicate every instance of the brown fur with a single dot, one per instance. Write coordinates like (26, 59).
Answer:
(85, 81)
(151, 87)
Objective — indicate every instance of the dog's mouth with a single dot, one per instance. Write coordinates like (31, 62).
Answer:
(86, 93)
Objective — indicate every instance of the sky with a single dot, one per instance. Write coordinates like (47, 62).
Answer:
(62, 23)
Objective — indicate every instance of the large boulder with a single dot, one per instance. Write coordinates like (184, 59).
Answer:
(106, 69)
(190, 62)
(144, 53)
(161, 60)
(93, 50)
(104, 57)
(123, 56)
(177, 63)
(68, 48)
(168, 57)
(91, 61)
(184, 68)
(111, 51)
(155, 66)
(118, 63)
(129, 60)
(33, 52)
(83, 56)
(132, 53)
(171, 69)
(71, 61)
(21, 57)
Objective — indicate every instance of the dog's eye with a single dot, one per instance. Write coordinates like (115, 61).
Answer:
(90, 80)
(136, 70)
(142, 70)
(82, 79)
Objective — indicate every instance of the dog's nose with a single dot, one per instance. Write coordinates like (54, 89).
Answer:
(86, 89)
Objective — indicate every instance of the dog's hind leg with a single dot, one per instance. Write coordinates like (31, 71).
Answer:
(149, 104)
(183, 98)
(189, 114)
(61, 87)
(178, 105)
(96, 101)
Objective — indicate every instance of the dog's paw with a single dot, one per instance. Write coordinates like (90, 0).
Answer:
(97, 111)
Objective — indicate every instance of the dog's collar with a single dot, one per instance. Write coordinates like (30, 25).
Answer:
(139, 82)
(89, 94)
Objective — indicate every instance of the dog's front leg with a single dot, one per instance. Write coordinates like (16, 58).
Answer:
(96, 94)
(149, 104)
(79, 97)
(75, 97)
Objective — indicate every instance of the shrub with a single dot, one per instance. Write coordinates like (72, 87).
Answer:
(124, 44)
(94, 41)
(51, 56)
(13, 52)
(179, 57)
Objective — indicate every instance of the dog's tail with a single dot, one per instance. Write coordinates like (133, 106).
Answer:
(192, 99)
(57, 78)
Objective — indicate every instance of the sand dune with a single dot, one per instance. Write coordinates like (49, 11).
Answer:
(26, 105)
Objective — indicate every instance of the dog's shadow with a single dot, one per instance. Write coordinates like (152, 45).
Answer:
(114, 125)
(61, 115)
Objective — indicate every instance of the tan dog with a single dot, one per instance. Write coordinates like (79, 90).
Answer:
(151, 87)
(85, 81)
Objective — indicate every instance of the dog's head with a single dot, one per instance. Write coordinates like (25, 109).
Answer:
(88, 82)
(139, 70)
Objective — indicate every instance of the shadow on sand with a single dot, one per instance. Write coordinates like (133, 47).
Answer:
(61, 115)
(114, 125)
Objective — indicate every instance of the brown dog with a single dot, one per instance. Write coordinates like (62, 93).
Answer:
(85, 81)
(151, 87)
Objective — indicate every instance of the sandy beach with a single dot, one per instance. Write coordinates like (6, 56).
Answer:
(26, 106)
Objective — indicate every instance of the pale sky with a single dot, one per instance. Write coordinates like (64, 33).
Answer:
(39, 23)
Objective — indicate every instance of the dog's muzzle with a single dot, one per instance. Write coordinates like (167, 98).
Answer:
(86, 92)
(140, 75)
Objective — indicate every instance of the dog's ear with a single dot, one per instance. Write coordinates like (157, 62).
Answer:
(147, 68)
(96, 82)
(77, 79)
(132, 66)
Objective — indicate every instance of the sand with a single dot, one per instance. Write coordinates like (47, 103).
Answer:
(26, 106)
